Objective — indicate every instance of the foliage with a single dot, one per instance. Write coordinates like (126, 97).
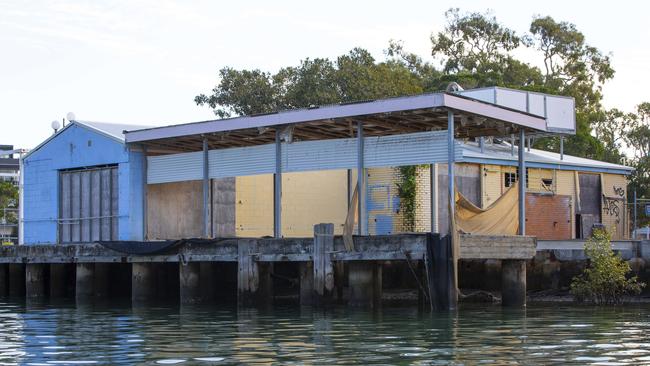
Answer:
(605, 280)
(8, 199)
(407, 189)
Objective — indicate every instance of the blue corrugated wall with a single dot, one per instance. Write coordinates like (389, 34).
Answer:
(78, 147)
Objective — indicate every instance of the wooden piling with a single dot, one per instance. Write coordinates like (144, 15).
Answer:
(254, 284)
(306, 283)
(365, 285)
(323, 267)
(513, 282)
(142, 283)
(208, 281)
(35, 281)
(85, 282)
(440, 272)
(16, 280)
(190, 285)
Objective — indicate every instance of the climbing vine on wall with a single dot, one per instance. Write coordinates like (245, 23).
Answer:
(407, 188)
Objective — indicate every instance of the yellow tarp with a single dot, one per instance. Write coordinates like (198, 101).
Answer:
(500, 218)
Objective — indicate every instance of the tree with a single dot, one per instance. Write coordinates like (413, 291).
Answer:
(605, 280)
(9, 200)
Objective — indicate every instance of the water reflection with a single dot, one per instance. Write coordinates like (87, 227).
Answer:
(67, 334)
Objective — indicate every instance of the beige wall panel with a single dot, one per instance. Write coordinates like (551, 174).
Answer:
(174, 210)
(254, 206)
(310, 198)
(492, 183)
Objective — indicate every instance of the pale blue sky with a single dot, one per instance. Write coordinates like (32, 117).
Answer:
(144, 61)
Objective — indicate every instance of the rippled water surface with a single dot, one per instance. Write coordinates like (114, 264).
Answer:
(46, 335)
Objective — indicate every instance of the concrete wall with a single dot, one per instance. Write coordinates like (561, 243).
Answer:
(78, 147)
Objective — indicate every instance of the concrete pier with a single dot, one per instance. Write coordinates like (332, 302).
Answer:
(35, 281)
(513, 282)
(190, 284)
(16, 280)
(143, 283)
(365, 285)
(85, 282)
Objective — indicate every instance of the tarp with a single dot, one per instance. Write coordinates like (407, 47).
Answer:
(500, 218)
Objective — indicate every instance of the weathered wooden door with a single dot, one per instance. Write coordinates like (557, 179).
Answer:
(88, 205)
(590, 195)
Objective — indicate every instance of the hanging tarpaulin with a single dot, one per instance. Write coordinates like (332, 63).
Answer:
(500, 218)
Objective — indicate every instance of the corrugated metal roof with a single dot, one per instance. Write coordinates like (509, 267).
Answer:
(498, 153)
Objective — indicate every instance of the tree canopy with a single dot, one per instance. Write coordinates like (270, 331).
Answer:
(474, 49)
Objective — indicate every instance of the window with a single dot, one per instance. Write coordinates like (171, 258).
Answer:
(510, 178)
(547, 184)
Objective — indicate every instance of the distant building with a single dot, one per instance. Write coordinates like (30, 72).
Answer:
(9, 165)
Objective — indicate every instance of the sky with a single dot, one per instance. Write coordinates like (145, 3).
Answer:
(142, 62)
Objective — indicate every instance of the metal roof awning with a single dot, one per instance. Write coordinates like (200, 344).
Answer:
(420, 113)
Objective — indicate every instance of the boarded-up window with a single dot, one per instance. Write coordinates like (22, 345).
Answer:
(88, 205)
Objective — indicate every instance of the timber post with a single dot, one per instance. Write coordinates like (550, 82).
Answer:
(440, 272)
(513, 282)
(365, 284)
(58, 280)
(306, 283)
(254, 282)
(84, 281)
(35, 286)
(142, 283)
(190, 284)
(323, 268)
(100, 280)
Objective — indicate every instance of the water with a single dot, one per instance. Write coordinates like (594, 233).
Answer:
(65, 334)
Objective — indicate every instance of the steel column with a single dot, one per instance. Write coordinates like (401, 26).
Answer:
(522, 183)
(561, 147)
(361, 182)
(206, 190)
(145, 167)
(481, 144)
(277, 187)
(450, 168)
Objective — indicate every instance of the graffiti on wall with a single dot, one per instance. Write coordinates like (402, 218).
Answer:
(613, 207)
(619, 191)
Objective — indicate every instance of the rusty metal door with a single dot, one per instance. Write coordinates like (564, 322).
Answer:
(88, 205)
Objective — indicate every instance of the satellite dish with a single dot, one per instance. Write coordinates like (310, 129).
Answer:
(70, 116)
(55, 125)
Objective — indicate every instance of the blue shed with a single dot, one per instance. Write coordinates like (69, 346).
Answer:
(83, 184)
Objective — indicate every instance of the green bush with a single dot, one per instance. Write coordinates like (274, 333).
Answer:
(605, 280)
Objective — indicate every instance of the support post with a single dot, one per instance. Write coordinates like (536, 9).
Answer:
(365, 285)
(254, 283)
(206, 190)
(143, 284)
(85, 280)
(277, 188)
(454, 247)
(145, 168)
(439, 264)
(512, 145)
(16, 280)
(208, 280)
(634, 227)
(190, 285)
(513, 282)
(522, 183)
(306, 283)
(433, 183)
(35, 281)
(481, 144)
(323, 268)
(561, 147)
(361, 182)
